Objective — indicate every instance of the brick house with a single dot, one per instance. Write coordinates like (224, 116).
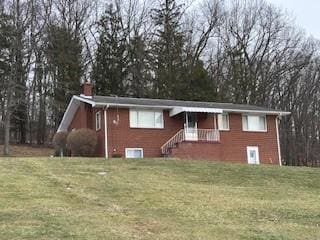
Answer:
(140, 127)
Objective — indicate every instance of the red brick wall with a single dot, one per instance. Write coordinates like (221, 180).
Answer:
(81, 118)
(233, 144)
(235, 141)
(198, 151)
(100, 133)
(205, 121)
(232, 147)
(121, 136)
(85, 118)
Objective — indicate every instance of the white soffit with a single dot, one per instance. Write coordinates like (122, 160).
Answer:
(69, 114)
(177, 110)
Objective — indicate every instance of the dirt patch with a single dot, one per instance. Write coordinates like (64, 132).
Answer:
(28, 151)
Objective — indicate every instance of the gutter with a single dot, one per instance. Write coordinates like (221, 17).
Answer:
(267, 112)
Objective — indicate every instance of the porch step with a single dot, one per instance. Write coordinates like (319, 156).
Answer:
(198, 135)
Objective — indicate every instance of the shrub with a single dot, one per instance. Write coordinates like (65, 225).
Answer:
(59, 142)
(82, 142)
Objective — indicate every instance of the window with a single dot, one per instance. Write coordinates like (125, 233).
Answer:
(146, 119)
(134, 153)
(254, 123)
(223, 121)
(98, 121)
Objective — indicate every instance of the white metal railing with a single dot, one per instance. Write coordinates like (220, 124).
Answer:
(196, 135)
(177, 138)
(210, 135)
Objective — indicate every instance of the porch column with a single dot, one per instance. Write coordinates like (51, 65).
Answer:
(215, 121)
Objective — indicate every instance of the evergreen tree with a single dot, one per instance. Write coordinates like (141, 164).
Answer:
(5, 46)
(110, 68)
(198, 85)
(65, 66)
(168, 50)
(7, 80)
(138, 67)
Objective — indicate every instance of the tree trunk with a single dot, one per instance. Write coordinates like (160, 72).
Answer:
(6, 149)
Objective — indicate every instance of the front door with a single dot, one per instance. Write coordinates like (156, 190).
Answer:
(253, 155)
(190, 127)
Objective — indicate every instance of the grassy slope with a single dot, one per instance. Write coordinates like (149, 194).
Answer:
(156, 199)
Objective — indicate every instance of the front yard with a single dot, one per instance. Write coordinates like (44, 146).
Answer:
(52, 198)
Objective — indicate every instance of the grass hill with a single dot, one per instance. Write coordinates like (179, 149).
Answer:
(52, 198)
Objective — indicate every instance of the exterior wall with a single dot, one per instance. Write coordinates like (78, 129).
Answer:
(100, 133)
(121, 136)
(198, 151)
(232, 147)
(233, 144)
(82, 118)
(235, 141)
(85, 118)
(205, 121)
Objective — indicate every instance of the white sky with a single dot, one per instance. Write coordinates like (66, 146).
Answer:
(306, 13)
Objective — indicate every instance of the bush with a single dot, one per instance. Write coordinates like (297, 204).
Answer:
(82, 142)
(59, 142)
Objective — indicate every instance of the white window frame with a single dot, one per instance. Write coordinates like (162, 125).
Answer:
(256, 149)
(133, 149)
(98, 121)
(220, 120)
(254, 130)
(139, 125)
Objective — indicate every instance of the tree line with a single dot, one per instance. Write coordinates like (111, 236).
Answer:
(236, 51)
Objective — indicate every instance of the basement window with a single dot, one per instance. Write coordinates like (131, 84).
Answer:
(98, 121)
(134, 153)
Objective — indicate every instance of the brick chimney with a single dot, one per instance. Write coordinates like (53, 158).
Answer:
(86, 89)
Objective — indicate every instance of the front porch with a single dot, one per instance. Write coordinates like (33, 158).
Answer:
(191, 135)
(199, 127)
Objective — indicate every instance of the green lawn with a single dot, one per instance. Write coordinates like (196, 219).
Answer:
(156, 199)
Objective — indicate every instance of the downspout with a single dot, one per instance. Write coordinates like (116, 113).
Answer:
(106, 132)
(278, 139)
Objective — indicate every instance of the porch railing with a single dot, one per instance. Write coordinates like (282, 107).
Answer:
(195, 135)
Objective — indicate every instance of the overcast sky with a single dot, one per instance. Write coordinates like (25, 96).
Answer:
(306, 13)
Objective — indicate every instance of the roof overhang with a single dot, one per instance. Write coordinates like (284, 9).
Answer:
(258, 112)
(177, 110)
(86, 100)
(69, 114)
(174, 110)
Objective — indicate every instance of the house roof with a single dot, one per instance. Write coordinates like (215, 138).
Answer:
(165, 103)
(175, 106)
